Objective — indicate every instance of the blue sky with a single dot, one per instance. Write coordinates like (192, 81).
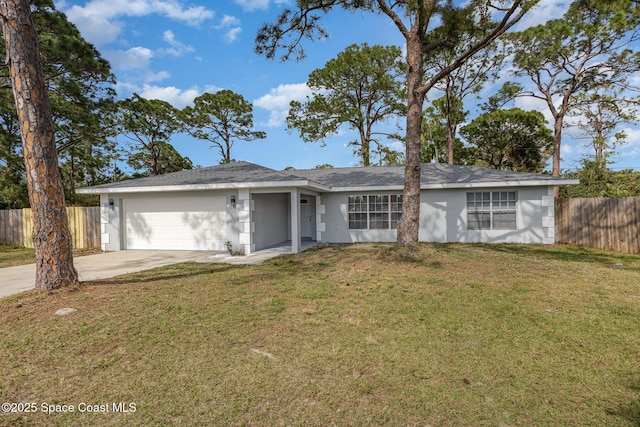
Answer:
(175, 50)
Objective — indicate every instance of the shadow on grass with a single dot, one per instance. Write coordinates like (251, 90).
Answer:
(630, 411)
(422, 254)
(172, 272)
(560, 253)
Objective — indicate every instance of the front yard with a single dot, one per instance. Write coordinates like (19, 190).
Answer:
(345, 335)
(11, 255)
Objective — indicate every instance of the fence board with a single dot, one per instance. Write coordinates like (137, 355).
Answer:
(92, 227)
(15, 226)
(84, 224)
(601, 223)
(27, 228)
(4, 215)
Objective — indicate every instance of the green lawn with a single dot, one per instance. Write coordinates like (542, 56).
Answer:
(11, 256)
(446, 335)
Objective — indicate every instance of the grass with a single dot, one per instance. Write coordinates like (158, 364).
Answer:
(11, 255)
(347, 335)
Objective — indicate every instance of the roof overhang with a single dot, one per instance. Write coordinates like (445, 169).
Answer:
(200, 187)
(462, 185)
(312, 185)
(515, 183)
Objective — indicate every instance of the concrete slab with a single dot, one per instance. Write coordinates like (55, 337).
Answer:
(18, 279)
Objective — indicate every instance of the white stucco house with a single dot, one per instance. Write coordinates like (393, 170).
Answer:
(255, 207)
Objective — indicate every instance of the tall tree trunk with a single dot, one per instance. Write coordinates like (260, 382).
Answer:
(51, 236)
(557, 139)
(365, 145)
(409, 224)
(451, 139)
(451, 134)
(366, 156)
(599, 144)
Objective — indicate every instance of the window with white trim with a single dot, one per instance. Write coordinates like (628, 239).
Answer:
(492, 210)
(374, 212)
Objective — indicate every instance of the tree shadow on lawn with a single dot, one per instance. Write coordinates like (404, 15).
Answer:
(567, 253)
(171, 272)
(630, 411)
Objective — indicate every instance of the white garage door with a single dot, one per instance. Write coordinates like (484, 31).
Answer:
(180, 223)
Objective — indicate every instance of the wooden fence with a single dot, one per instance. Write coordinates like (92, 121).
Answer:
(601, 223)
(84, 223)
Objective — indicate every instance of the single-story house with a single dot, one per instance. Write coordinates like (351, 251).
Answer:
(255, 207)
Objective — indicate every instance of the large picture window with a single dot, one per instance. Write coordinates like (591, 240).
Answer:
(492, 210)
(374, 212)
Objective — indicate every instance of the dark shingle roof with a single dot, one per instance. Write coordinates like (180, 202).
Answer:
(434, 175)
(230, 173)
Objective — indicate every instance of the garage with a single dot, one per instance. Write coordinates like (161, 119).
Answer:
(177, 223)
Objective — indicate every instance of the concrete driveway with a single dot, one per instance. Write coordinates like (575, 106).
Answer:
(18, 279)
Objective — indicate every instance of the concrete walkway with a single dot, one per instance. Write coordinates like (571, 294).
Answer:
(18, 279)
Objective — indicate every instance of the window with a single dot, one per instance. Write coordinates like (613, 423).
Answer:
(492, 210)
(374, 212)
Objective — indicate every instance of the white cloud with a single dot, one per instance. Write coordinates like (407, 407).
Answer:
(149, 76)
(179, 98)
(529, 103)
(544, 11)
(139, 59)
(632, 147)
(211, 89)
(229, 21)
(177, 48)
(277, 101)
(134, 58)
(566, 149)
(232, 35)
(251, 5)
(98, 19)
(634, 80)
(96, 29)
(231, 26)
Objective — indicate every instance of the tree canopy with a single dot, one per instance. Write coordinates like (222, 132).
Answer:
(148, 125)
(440, 123)
(599, 115)
(468, 79)
(360, 88)
(597, 180)
(513, 139)
(221, 118)
(588, 47)
(80, 87)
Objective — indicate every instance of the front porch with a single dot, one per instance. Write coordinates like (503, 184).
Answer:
(285, 222)
(286, 247)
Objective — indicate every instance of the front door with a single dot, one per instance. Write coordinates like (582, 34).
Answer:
(306, 219)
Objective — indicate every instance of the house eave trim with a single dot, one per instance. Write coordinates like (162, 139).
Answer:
(200, 187)
(495, 184)
(459, 185)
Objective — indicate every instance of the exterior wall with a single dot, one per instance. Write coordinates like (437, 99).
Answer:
(335, 221)
(443, 218)
(112, 215)
(258, 220)
(271, 219)
(320, 218)
(246, 227)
